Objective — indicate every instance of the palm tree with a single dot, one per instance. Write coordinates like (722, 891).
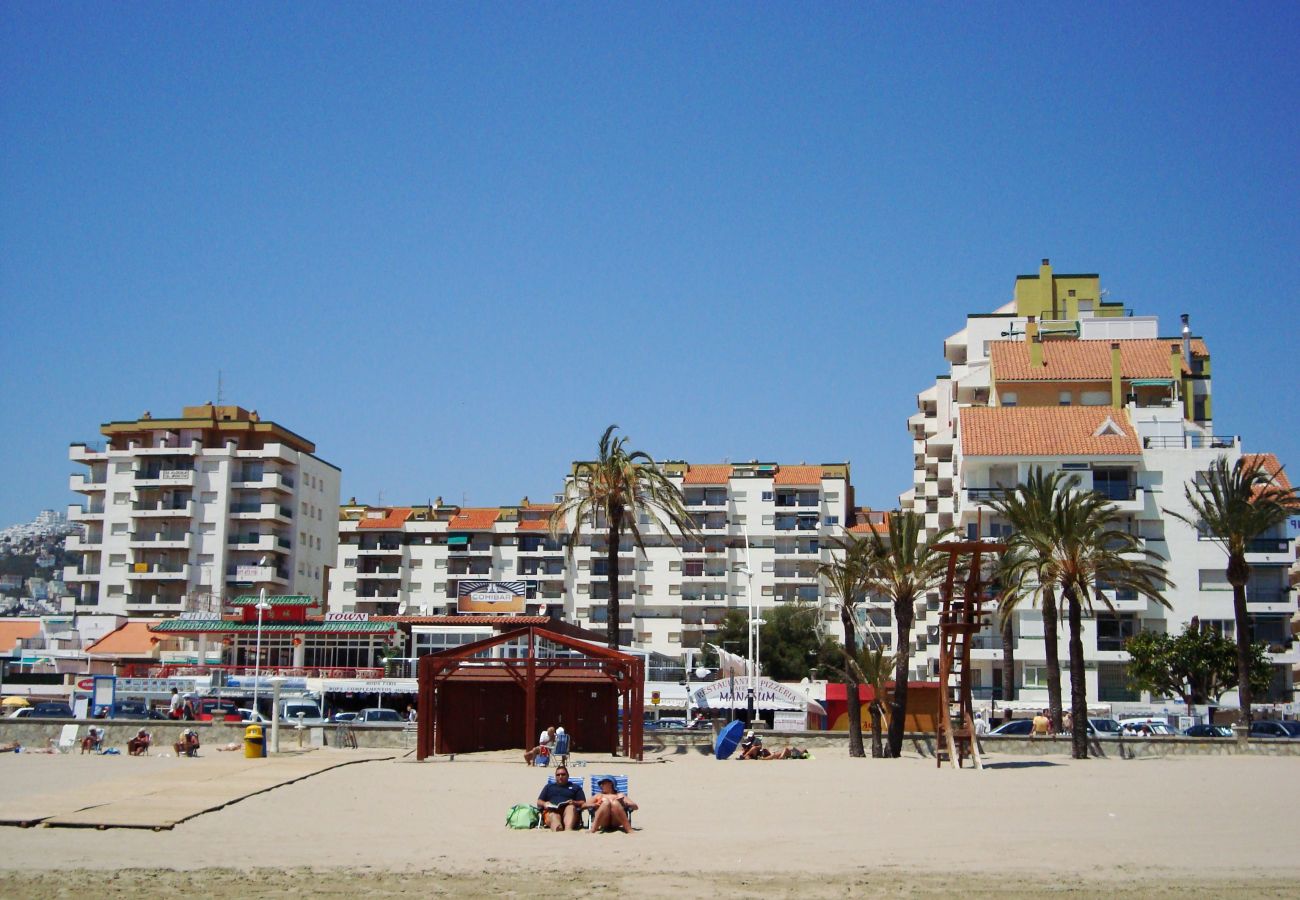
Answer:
(1090, 550)
(848, 577)
(875, 665)
(617, 489)
(903, 567)
(1028, 509)
(1233, 506)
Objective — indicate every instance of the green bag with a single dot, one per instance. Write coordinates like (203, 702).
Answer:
(522, 815)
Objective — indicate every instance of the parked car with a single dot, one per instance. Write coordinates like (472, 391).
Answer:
(22, 712)
(1146, 726)
(206, 709)
(376, 716)
(1289, 730)
(252, 715)
(51, 710)
(130, 709)
(299, 710)
(1204, 731)
(345, 717)
(1102, 727)
(1014, 728)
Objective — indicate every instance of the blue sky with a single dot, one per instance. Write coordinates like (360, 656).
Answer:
(450, 243)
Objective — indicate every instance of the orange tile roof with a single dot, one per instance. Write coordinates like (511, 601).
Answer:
(1073, 360)
(798, 475)
(1272, 465)
(1046, 431)
(393, 518)
(11, 632)
(707, 475)
(481, 519)
(131, 639)
(869, 528)
(534, 524)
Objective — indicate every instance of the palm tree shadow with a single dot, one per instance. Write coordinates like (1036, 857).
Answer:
(1024, 764)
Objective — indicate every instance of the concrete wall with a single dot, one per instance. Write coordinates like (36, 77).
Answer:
(36, 734)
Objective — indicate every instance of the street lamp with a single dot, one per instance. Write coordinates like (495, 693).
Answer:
(262, 607)
(753, 622)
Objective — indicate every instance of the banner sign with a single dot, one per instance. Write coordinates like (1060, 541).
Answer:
(768, 694)
(500, 597)
(263, 682)
(158, 686)
(347, 617)
(372, 686)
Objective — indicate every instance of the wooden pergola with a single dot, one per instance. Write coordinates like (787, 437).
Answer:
(471, 699)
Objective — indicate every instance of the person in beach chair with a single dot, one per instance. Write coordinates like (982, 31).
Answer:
(139, 745)
(610, 809)
(561, 803)
(751, 746)
(543, 749)
(188, 745)
(93, 742)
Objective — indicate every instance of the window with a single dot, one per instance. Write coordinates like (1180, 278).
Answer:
(1113, 684)
(440, 563)
(350, 563)
(738, 496)
(1214, 580)
(1095, 398)
(769, 519)
(1009, 398)
(769, 565)
(416, 586)
(121, 499)
(674, 565)
(1035, 676)
(674, 590)
(831, 520)
(118, 528)
(767, 496)
(1065, 398)
(349, 585)
(117, 559)
(737, 520)
(1113, 630)
(417, 564)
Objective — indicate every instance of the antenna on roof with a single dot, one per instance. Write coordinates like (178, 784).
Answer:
(221, 395)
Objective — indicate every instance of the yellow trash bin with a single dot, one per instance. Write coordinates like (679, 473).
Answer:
(254, 742)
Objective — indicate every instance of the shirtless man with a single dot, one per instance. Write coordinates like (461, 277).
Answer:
(610, 809)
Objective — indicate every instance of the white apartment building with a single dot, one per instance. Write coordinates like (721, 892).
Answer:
(763, 530)
(181, 514)
(1061, 380)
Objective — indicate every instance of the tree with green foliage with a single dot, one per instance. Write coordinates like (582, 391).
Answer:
(1233, 505)
(792, 642)
(848, 575)
(1198, 665)
(614, 492)
(904, 566)
(1082, 550)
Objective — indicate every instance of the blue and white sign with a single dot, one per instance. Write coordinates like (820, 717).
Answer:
(264, 683)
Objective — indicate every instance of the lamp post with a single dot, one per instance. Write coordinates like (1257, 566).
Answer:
(753, 621)
(262, 607)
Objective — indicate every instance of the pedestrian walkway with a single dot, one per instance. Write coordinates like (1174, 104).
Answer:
(165, 799)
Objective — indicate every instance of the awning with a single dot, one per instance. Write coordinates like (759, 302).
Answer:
(768, 694)
(458, 540)
(1151, 382)
(370, 686)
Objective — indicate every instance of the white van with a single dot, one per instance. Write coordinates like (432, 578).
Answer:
(1154, 724)
(301, 709)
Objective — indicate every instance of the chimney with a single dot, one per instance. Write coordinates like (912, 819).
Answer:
(1035, 342)
(1116, 376)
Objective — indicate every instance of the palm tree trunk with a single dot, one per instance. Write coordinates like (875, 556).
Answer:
(1008, 660)
(611, 556)
(1242, 616)
(1052, 646)
(904, 613)
(1078, 686)
(877, 747)
(851, 684)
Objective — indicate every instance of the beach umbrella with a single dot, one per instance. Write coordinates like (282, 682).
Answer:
(14, 701)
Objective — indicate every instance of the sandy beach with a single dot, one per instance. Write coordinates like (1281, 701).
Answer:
(1206, 826)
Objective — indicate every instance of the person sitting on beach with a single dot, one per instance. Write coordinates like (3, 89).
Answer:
(543, 748)
(751, 746)
(93, 742)
(610, 809)
(560, 801)
(188, 745)
(139, 745)
(1042, 725)
(787, 753)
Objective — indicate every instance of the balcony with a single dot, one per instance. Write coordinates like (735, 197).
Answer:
(160, 541)
(73, 574)
(270, 451)
(1190, 441)
(382, 548)
(1269, 550)
(147, 478)
(260, 511)
(266, 481)
(158, 572)
(253, 542)
(1277, 595)
(75, 543)
(87, 484)
(162, 509)
(257, 574)
(381, 574)
(96, 451)
(154, 602)
(90, 512)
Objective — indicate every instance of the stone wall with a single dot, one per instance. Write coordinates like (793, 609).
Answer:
(38, 733)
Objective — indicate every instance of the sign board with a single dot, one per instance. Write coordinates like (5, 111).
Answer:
(347, 617)
(371, 686)
(263, 683)
(86, 684)
(101, 697)
(654, 698)
(248, 573)
(768, 694)
(499, 597)
(199, 615)
(157, 686)
(785, 720)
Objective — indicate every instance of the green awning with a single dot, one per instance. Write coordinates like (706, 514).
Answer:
(1151, 382)
(458, 540)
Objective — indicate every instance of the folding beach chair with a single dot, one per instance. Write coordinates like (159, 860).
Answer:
(582, 813)
(68, 738)
(560, 752)
(620, 787)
